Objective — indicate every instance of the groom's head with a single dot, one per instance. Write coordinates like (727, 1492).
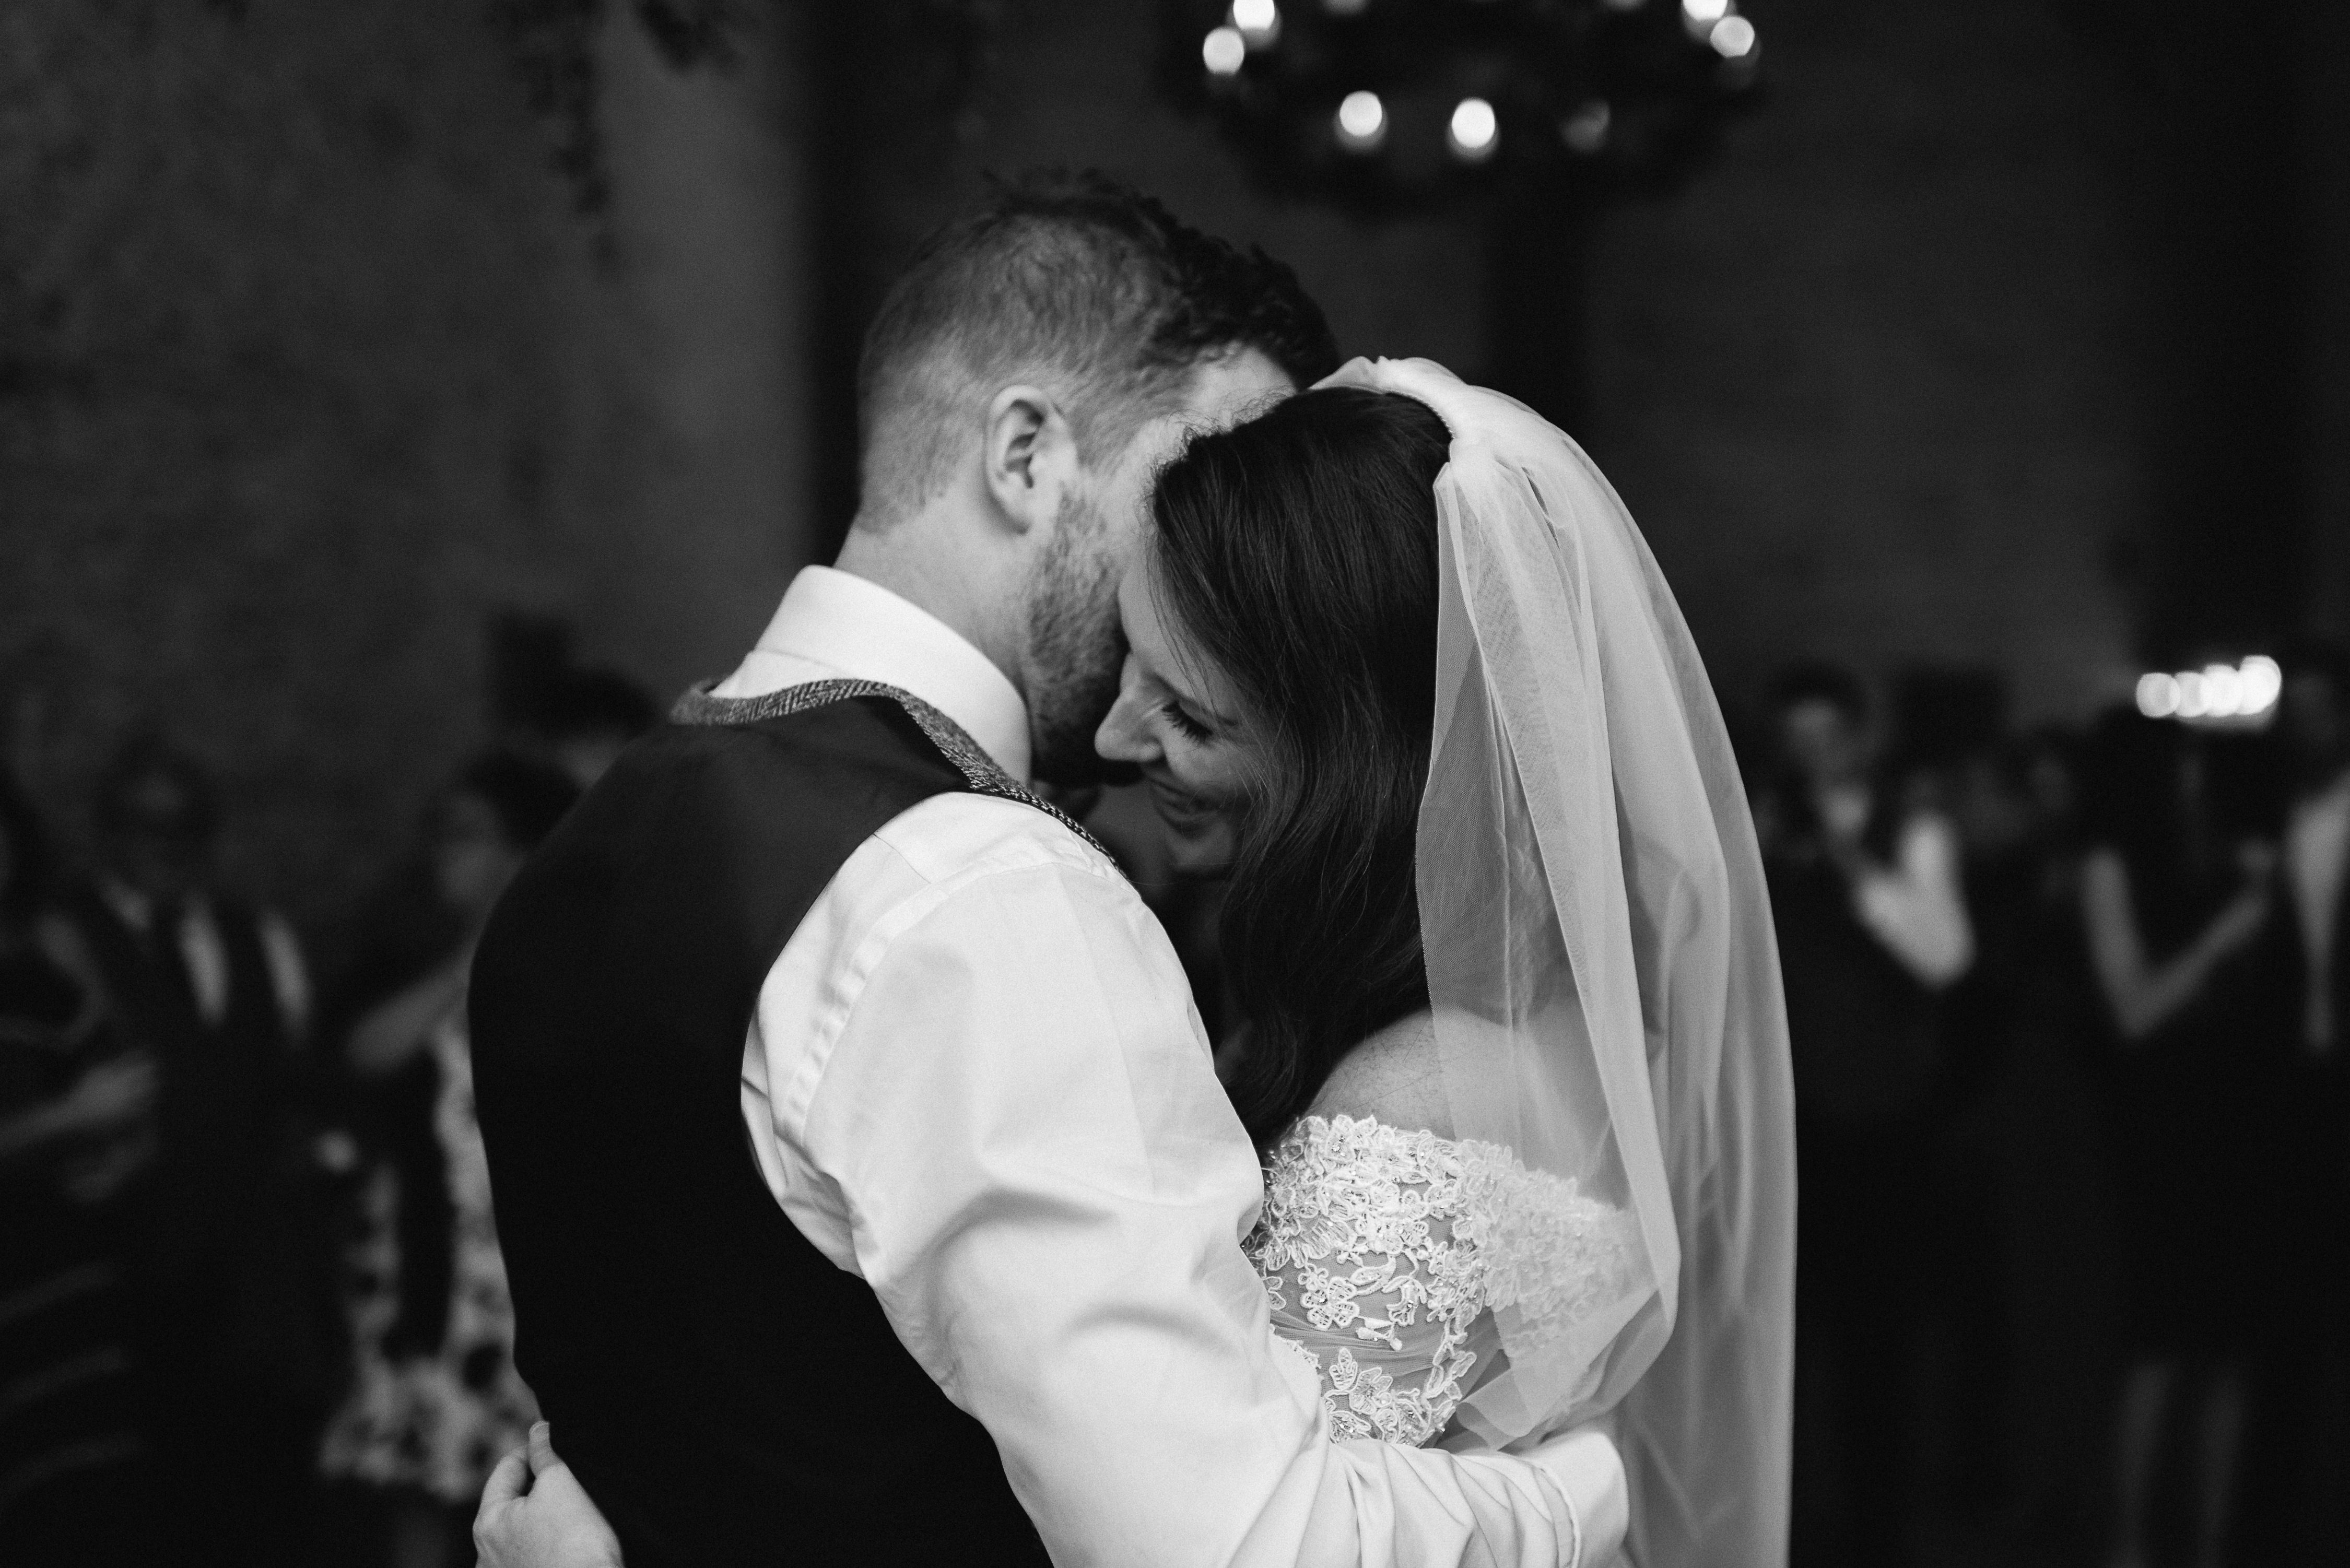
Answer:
(1019, 386)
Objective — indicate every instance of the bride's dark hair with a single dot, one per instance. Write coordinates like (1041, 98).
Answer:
(1298, 550)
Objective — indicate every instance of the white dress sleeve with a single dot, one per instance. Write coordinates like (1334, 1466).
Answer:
(1385, 1251)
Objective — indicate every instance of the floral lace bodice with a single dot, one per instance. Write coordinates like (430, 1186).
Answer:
(1384, 1251)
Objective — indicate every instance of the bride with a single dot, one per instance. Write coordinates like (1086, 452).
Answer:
(1516, 1056)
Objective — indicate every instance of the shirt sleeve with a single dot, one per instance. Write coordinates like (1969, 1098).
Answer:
(1916, 909)
(1047, 1190)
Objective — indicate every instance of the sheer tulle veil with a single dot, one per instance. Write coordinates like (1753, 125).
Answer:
(1605, 982)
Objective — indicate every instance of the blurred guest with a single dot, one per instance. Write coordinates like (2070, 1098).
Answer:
(2315, 724)
(236, 1319)
(1950, 763)
(2170, 907)
(436, 1399)
(1872, 926)
(73, 1460)
(575, 718)
(2053, 1165)
(592, 715)
(2304, 1366)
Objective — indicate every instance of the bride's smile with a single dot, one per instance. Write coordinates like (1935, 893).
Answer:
(1179, 719)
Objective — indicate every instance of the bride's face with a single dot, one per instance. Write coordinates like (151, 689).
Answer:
(1178, 719)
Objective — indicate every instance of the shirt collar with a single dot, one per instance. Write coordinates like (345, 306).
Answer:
(858, 629)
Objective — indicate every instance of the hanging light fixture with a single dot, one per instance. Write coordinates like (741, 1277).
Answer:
(1389, 105)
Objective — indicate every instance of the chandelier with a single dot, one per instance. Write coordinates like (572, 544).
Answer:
(1395, 105)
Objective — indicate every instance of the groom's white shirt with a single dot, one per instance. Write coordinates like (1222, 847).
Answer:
(976, 1079)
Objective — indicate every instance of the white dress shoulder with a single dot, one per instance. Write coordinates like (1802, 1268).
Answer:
(1385, 1251)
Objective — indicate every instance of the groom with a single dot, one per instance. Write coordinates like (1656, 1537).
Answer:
(866, 1189)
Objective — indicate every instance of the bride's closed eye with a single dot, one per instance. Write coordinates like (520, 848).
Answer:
(1189, 727)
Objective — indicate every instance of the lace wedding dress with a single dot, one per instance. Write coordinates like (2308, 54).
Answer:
(1384, 1252)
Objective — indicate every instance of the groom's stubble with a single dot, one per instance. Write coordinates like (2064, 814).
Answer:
(1075, 647)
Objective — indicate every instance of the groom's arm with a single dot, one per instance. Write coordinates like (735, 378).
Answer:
(1047, 1189)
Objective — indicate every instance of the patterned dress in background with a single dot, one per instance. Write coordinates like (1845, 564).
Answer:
(438, 1422)
(73, 1429)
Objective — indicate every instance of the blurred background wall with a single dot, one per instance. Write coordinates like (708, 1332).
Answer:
(2006, 334)
(313, 360)
(1874, 386)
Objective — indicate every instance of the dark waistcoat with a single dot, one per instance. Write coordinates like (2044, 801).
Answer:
(725, 1393)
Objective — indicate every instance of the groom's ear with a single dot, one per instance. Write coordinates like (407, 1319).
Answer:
(1029, 456)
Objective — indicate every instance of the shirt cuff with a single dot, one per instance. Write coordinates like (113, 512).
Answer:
(1589, 1470)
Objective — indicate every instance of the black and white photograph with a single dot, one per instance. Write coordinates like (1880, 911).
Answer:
(1174, 784)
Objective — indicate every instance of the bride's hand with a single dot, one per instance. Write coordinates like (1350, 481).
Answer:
(535, 1514)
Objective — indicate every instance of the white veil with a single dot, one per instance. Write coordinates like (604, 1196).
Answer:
(1605, 980)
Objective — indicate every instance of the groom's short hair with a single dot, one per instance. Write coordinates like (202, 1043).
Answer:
(1086, 287)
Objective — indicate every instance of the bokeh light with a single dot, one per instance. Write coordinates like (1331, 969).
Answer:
(1732, 37)
(1586, 130)
(1475, 130)
(1224, 51)
(2246, 692)
(1362, 122)
(2264, 680)
(2157, 694)
(1258, 22)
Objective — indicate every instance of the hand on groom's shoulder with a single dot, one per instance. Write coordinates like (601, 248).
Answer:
(535, 1514)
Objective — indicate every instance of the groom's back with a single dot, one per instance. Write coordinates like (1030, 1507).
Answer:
(727, 1395)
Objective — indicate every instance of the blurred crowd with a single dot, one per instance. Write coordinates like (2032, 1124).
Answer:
(2069, 1010)
(2071, 1021)
(252, 1310)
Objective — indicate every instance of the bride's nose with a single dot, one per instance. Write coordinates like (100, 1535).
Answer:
(1125, 736)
